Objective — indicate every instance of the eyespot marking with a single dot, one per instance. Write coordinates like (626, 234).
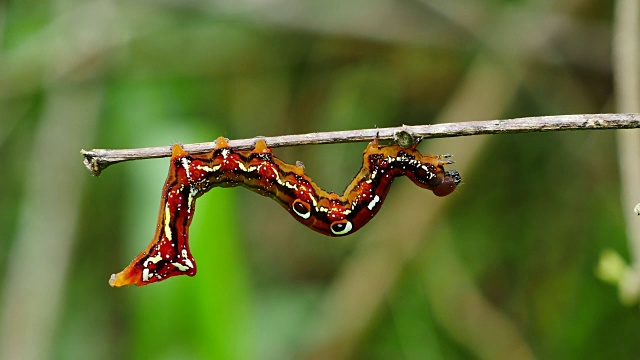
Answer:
(341, 227)
(301, 209)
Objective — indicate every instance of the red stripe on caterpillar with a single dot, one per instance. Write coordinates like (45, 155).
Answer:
(328, 213)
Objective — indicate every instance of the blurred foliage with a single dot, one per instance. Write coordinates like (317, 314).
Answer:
(516, 246)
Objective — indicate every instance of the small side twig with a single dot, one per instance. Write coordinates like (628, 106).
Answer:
(97, 160)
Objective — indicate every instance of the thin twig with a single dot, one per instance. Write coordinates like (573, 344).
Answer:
(98, 159)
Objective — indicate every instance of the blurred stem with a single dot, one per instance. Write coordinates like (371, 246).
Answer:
(97, 160)
(3, 12)
(40, 256)
(461, 308)
(626, 67)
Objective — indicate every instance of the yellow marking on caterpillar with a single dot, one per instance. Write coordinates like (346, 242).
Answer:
(167, 220)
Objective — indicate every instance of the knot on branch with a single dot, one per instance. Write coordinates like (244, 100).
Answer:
(92, 163)
(403, 138)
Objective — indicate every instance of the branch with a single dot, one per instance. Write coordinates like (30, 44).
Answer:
(97, 160)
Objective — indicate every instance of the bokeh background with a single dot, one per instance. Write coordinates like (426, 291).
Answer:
(504, 268)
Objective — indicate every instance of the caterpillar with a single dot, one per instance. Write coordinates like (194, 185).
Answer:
(191, 175)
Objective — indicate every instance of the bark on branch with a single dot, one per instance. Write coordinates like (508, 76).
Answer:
(97, 160)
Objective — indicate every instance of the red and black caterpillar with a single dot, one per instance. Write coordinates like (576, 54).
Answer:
(258, 170)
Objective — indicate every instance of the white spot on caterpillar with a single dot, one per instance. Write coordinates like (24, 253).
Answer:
(426, 168)
(145, 274)
(373, 203)
(192, 194)
(153, 259)
(186, 259)
(180, 266)
(274, 171)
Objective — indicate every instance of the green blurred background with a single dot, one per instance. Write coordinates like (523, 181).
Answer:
(504, 268)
